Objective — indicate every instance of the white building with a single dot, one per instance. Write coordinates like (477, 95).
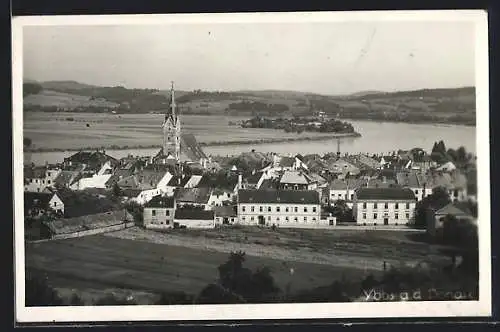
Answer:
(194, 218)
(36, 179)
(284, 208)
(159, 213)
(384, 206)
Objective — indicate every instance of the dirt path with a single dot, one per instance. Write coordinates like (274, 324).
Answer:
(307, 255)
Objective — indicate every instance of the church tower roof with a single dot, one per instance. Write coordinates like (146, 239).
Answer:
(172, 108)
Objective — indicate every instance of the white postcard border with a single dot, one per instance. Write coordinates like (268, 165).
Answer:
(262, 311)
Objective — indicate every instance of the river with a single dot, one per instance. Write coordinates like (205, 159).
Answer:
(377, 137)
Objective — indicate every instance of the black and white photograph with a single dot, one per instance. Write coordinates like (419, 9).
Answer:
(251, 166)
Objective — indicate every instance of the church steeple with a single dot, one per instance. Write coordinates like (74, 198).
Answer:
(172, 129)
(171, 112)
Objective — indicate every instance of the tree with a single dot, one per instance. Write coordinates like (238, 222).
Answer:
(461, 155)
(438, 199)
(38, 292)
(27, 142)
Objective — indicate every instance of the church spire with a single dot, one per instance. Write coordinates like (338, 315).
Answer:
(172, 100)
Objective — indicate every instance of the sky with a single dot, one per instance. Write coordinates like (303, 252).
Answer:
(319, 57)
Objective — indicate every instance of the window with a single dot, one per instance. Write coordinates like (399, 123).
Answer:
(364, 215)
(167, 222)
(314, 219)
(268, 209)
(352, 197)
(416, 192)
(314, 209)
(243, 218)
(396, 216)
(296, 219)
(260, 208)
(252, 208)
(242, 208)
(286, 209)
(374, 205)
(386, 205)
(286, 219)
(305, 218)
(269, 218)
(167, 212)
(374, 216)
(48, 181)
(296, 209)
(251, 218)
(153, 212)
(364, 205)
(339, 195)
(407, 205)
(305, 209)
(277, 218)
(407, 216)
(396, 205)
(277, 209)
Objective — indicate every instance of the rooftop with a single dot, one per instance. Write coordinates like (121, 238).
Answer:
(278, 196)
(225, 211)
(294, 177)
(161, 202)
(385, 193)
(194, 214)
(193, 195)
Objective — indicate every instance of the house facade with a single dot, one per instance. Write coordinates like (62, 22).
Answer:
(194, 218)
(279, 207)
(37, 178)
(384, 206)
(159, 213)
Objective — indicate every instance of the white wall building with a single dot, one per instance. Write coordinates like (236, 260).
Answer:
(279, 207)
(384, 206)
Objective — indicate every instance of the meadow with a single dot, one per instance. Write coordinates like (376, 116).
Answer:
(148, 262)
(72, 131)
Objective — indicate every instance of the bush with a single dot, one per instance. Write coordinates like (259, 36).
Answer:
(38, 292)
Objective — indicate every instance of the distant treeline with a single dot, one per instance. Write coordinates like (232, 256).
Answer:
(82, 109)
(435, 93)
(258, 106)
(206, 95)
(31, 89)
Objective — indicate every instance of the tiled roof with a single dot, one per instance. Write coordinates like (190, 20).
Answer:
(225, 211)
(287, 161)
(160, 202)
(450, 209)
(385, 193)
(65, 178)
(337, 184)
(88, 221)
(254, 178)
(193, 195)
(143, 180)
(37, 172)
(408, 179)
(279, 196)
(194, 214)
(191, 148)
(294, 177)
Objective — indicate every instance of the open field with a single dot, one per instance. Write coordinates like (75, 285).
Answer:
(103, 262)
(350, 249)
(56, 131)
(48, 98)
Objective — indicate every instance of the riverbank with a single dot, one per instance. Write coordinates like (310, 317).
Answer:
(216, 143)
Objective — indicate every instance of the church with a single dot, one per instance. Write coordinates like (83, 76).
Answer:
(178, 148)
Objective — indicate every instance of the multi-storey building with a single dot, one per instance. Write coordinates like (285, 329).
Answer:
(279, 207)
(384, 206)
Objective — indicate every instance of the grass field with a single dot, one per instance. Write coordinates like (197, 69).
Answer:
(53, 130)
(153, 264)
(100, 262)
(65, 100)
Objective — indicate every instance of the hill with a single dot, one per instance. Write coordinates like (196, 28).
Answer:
(452, 105)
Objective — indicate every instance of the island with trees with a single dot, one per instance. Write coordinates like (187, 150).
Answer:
(301, 124)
